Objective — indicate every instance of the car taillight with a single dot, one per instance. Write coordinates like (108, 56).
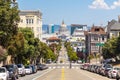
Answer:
(114, 71)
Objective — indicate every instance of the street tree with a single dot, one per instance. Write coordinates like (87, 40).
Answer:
(16, 48)
(8, 22)
(109, 48)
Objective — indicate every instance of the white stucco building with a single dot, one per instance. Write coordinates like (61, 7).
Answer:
(33, 20)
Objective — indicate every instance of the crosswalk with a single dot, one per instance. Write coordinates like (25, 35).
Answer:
(67, 67)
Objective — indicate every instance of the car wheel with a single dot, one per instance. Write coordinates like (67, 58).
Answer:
(13, 78)
(17, 77)
(117, 78)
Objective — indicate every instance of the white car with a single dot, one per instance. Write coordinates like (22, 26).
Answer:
(113, 72)
(28, 69)
(4, 74)
(21, 69)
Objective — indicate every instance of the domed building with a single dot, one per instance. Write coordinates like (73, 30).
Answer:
(64, 33)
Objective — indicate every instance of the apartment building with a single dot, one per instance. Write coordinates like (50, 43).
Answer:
(95, 39)
(33, 20)
(113, 28)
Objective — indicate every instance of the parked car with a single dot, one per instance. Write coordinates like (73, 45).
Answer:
(85, 66)
(49, 61)
(81, 67)
(4, 74)
(13, 71)
(98, 69)
(28, 69)
(118, 75)
(34, 68)
(21, 69)
(42, 66)
(113, 72)
(79, 61)
(106, 68)
(92, 68)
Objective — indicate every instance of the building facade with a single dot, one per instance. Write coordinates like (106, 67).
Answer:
(95, 39)
(78, 26)
(31, 19)
(113, 28)
(50, 29)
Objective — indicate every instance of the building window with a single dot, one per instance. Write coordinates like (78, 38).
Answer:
(32, 21)
(103, 38)
(96, 30)
(95, 38)
(27, 21)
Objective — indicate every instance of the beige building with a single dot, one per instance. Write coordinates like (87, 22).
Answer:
(33, 20)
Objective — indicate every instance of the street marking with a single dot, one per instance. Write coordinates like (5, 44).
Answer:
(42, 74)
(63, 74)
(54, 67)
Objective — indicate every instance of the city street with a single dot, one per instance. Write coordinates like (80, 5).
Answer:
(71, 74)
(59, 40)
(64, 74)
(63, 71)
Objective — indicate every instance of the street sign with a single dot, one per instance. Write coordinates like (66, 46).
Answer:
(99, 44)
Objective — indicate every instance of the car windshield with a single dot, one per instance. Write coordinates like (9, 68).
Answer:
(2, 70)
(116, 68)
(27, 67)
(19, 65)
(108, 66)
(9, 67)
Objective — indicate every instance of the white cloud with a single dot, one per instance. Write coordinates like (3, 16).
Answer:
(115, 4)
(99, 4)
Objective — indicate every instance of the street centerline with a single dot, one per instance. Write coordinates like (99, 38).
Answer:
(63, 74)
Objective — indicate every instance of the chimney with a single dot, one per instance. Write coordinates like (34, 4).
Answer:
(119, 18)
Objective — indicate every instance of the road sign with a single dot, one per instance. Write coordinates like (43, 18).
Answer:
(99, 44)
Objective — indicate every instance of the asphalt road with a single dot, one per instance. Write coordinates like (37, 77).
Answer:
(64, 74)
(68, 74)
(62, 71)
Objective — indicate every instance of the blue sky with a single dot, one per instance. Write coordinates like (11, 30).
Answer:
(74, 11)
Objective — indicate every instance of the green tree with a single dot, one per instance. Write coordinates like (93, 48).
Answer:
(30, 54)
(16, 48)
(71, 53)
(8, 22)
(109, 48)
